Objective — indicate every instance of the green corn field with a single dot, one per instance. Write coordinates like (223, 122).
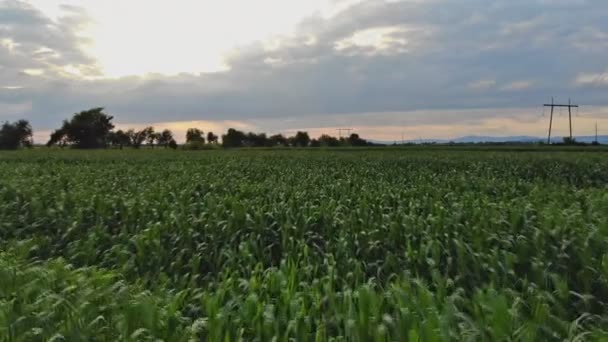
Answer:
(303, 245)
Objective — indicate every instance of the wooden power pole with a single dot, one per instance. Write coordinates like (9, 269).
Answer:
(553, 105)
(550, 123)
(596, 140)
(343, 129)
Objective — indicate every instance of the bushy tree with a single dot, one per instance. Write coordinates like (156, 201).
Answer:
(135, 138)
(15, 135)
(212, 138)
(301, 139)
(255, 140)
(165, 138)
(58, 137)
(278, 140)
(195, 135)
(153, 138)
(233, 138)
(87, 129)
(148, 135)
(328, 141)
(119, 138)
(355, 140)
(138, 137)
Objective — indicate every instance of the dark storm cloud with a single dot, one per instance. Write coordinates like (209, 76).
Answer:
(455, 55)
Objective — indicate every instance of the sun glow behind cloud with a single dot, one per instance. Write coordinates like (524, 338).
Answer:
(139, 37)
(379, 39)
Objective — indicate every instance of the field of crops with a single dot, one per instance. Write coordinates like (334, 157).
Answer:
(297, 245)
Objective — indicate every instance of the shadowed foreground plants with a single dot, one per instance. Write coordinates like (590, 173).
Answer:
(52, 301)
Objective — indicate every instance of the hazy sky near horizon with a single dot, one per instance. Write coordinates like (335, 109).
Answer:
(411, 68)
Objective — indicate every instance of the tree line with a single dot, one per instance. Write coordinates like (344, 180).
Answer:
(94, 129)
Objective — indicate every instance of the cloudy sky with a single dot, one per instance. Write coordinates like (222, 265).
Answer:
(411, 68)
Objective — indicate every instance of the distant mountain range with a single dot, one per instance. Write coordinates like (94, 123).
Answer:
(602, 139)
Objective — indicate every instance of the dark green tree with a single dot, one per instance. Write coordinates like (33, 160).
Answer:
(255, 140)
(58, 137)
(148, 135)
(328, 141)
(165, 138)
(153, 138)
(278, 140)
(87, 129)
(122, 138)
(138, 137)
(212, 138)
(233, 138)
(135, 138)
(355, 140)
(16, 135)
(301, 139)
(195, 135)
(119, 138)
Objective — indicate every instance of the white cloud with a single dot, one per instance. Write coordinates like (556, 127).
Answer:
(378, 40)
(482, 84)
(592, 79)
(33, 72)
(524, 27)
(517, 85)
(9, 44)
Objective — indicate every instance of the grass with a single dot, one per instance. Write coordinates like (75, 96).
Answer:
(400, 244)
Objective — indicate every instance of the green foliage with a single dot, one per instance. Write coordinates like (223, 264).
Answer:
(165, 139)
(51, 301)
(147, 134)
(195, 135)
(119, 138)
(233, 138)
(172, 144)
(87, 129)
(212, 138)
(137, 138)
(278, 140)
(328, 141)
(310, 245)
(15, 135)
(355, 140)
(301, 139)
(198, 146)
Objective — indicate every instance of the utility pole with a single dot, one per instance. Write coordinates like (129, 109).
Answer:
(570, 117)
(596, 141)
(553, 105)
(550, 122)
(343, 129)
